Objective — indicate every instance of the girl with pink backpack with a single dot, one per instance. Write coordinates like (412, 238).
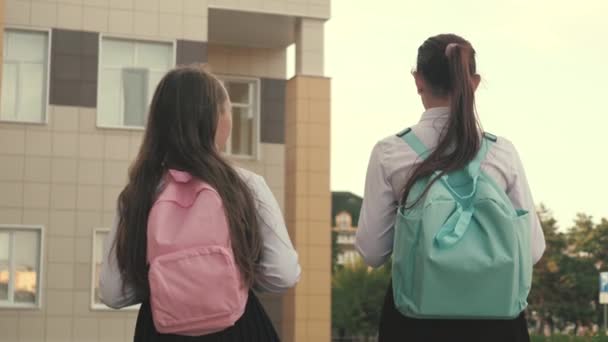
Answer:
(193, 235)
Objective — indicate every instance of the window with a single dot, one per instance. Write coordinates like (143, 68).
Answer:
(340, 259)
(245, 115)
(128, 75)
(24, 76)
(351, 257)
(99, 240)
(346, 239)
(343, 220)
(20, 251)
(347, 258)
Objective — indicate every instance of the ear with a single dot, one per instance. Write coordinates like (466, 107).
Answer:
(420, 84)
(476, 80)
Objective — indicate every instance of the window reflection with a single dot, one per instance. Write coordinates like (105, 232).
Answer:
(4, 265)
(25, 254)
(100, 237)
(19, 265)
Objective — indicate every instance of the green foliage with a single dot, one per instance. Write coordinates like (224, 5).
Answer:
(357, 298)
(334, 251)
(565, 282)
(568, 338)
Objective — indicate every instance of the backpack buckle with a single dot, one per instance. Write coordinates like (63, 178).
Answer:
(404, 132)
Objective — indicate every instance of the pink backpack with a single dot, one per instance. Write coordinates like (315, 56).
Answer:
(195, 285)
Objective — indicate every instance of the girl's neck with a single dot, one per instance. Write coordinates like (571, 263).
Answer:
(434, 102)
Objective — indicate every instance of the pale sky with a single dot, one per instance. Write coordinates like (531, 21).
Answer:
(545, 69)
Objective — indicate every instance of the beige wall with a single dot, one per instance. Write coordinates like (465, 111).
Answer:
(271, 165)
(230, 60)
(307, 308)
(64, 176)
(2, 12)
(298, 8)
(171, 19)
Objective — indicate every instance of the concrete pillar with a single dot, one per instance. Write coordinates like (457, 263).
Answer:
(2, 21)
(310, 47)
(307, 308)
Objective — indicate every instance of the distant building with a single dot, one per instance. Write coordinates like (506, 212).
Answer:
(345, 218)
(345, 239)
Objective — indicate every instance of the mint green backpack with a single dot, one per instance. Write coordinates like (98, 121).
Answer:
(463, 251)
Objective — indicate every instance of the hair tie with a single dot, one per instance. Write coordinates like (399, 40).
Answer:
(449, 48)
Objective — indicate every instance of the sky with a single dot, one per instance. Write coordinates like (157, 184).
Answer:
(544, 66)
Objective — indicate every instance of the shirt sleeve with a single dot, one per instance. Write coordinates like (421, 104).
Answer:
(110, 279)
(374, 239)
(279, 269)
(520, 195)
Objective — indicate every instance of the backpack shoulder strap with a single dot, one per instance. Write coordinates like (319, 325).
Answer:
(414, 142)
(474, 166)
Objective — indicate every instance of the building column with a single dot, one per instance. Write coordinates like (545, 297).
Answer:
(310, 47)
(2, 16)
(307, 307)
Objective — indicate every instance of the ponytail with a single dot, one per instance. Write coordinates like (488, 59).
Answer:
(462, 130)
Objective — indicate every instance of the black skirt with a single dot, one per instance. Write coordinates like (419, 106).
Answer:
(398, 328)
(253, 326)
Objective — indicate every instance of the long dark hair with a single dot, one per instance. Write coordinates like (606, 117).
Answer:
(180, 134)
(446, 62)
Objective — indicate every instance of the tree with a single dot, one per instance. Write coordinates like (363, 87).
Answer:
(565, 284)
(334, 251)
(578, 291)
(581, 236)
(357, 298)
(544, 297)
(600, 243)
(588, 242)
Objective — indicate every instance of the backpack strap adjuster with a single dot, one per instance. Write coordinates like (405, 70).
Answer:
(490, 136)
(404, 132)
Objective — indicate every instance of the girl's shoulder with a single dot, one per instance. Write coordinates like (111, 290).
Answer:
(248, 176)
(503, 150)
(255, 182)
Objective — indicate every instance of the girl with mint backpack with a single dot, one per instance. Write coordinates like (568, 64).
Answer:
(451, 206)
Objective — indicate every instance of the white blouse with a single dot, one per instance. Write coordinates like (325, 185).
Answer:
(279, 269)
(391, 162)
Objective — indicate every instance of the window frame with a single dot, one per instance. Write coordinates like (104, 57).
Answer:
(101, 38)
(100, 306)
(47, 83)
(38, 304)
(257, 115)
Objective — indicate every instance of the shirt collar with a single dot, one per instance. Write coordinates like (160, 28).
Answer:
(435, 113)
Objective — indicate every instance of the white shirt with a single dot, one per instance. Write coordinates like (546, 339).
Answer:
(392, 161)
(279, 269)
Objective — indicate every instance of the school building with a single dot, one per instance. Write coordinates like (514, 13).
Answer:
(345, 209)
(76, 79)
